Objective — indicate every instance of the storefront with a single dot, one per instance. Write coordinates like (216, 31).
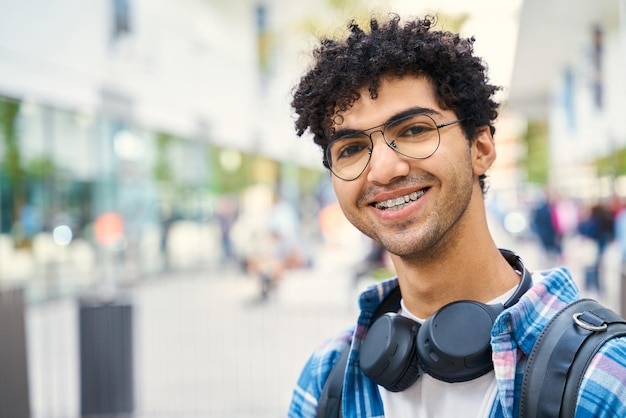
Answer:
(85, 196)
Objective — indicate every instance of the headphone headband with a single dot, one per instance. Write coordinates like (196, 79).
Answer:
(526, 281)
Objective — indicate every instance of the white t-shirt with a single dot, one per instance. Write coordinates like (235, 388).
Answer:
(432, 398)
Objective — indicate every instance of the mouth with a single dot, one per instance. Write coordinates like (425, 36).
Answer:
(399, 202)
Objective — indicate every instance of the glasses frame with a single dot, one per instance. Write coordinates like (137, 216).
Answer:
(381, 128)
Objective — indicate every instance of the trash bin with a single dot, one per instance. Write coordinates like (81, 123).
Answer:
(14, 395)
(106, 357)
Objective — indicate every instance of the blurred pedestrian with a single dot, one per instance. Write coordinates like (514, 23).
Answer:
(405, 116)
(226, 214)
(620, 236)
(544, 223)
(279, 249)
(565, 216)
(599, 226)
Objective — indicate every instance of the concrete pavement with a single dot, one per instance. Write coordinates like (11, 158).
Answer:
(204, 344)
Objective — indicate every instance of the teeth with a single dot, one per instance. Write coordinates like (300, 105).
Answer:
(399, 202)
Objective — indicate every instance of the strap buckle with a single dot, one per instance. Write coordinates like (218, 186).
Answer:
(590, 322)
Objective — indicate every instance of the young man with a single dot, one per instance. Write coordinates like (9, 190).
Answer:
(404, 115)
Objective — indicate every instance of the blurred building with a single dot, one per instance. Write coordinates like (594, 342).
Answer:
(569, 76)
(124, 122)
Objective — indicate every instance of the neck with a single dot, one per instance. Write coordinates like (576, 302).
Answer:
(474, 271)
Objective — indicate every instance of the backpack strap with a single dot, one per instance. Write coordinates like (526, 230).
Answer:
(560, 356)
(329, 405)
(616, 327)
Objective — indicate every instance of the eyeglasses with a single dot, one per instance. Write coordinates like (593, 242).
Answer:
(415, 136)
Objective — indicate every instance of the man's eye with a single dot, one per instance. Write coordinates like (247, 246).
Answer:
(351, 149)
(416, 130)
(413, 127)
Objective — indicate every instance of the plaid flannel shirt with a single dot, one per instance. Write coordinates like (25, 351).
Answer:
(602, 392)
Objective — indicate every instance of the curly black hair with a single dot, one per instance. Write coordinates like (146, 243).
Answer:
(343, 67)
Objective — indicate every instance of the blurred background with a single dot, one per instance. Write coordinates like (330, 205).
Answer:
(170, 248)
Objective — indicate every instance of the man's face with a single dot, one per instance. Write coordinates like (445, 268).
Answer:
(436, 192)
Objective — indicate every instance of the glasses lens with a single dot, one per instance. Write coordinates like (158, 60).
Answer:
(348, 155)
(415, 136)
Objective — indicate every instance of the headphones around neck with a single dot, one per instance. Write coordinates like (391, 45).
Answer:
(452, 345)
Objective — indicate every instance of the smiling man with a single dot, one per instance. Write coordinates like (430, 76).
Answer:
(404, 115)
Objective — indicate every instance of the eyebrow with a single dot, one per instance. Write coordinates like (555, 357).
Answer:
(397, 116)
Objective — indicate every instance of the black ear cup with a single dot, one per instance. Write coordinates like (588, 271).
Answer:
(453, 345)
(388, 354)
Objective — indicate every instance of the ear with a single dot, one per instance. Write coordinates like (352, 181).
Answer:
(483, 151)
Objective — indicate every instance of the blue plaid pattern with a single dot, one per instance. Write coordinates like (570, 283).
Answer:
(602, 392)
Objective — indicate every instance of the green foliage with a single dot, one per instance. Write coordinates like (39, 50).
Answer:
(537, 162)
(382, 274)
(452, 23)
(11, 163)
(332, 24)
(162, 170)
(613, 164)
(229, 182)
(40, 168)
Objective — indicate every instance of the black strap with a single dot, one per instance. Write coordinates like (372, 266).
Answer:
(616, 327)
(329, 405)
(549, 388)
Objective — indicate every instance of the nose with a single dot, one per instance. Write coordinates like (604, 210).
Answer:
(385, 164)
